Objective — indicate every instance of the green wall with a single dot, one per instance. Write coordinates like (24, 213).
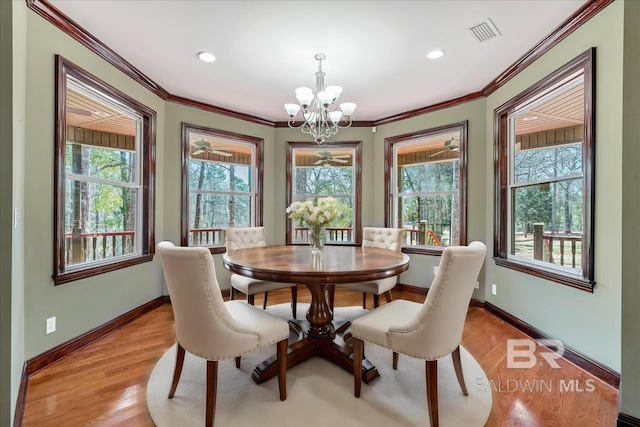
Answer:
(420, 272)
(590, 323)
(587, 322)
(176, 114)
(84, 304)
(13, 19)
(630, 384)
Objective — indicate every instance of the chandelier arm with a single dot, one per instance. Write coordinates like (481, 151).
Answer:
(316, 116)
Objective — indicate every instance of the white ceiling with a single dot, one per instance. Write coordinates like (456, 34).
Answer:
(376, 50)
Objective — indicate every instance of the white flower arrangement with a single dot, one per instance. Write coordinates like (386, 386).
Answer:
(316, 216)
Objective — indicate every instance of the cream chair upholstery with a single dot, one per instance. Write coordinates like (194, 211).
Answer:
(386, 238)
(427, 331)
(210, 328)
(253, 237)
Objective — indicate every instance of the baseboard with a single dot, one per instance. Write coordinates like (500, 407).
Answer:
(594, 367)
(412, 289)
(423, 291)
(45, 359)
(625, 420)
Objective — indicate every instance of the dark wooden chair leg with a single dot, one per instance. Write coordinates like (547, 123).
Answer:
(358, 350)
(251, 299)
(457, 366)
(395, 360)
(294, 301)
(232, 294)
(178, 369)
(376, 300)
(364, 300)
(238, 361)
(282, 368)
(264, 304)
(431, 368)
(387, 296)
(212, 391)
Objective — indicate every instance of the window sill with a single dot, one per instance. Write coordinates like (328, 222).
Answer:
(60, 278)
(548, 274)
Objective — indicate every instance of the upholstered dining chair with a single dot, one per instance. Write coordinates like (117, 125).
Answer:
(253, 237)
(427, 331)
(210, 328)
(378, 237)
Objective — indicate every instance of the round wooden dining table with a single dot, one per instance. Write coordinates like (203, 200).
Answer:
(319, 334)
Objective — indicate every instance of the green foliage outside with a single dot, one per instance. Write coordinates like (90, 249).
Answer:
(337, 182)
(429, 192)
(103, 207)
(208, 206)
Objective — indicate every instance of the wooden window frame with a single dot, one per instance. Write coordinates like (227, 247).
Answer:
(259, 173)
(63, 69)
(357, 164)
(585, 61)
(389, 166)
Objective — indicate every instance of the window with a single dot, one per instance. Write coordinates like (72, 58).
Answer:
(425, 184)
(221, 185)
(544, 177)
(334, 170)
(104, 180)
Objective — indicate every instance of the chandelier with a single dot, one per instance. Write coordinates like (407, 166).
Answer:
(320, 112)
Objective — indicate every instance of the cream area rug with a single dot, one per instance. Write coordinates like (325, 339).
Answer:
(319, 393)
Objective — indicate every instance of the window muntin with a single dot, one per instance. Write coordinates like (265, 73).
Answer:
(426, 187)
(104, 177)
(544, 203)
(221, 185)
(322, 171)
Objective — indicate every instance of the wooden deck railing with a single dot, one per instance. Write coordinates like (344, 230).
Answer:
(207, 237)
(544, 246)
(96, 246)
(334, 234)
(345, 234)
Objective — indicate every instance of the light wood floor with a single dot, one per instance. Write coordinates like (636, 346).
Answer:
(104, 384)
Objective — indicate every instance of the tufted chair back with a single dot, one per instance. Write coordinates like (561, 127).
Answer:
(436, 330)
(244, 237)
(386, 238)
(204, 326)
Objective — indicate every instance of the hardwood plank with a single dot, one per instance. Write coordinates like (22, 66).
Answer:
(104, 383)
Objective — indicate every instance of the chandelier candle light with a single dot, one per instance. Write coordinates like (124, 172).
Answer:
(317, 218)
(320, 112)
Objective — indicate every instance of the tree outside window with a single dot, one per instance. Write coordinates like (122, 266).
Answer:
(426, 187)
(321, 171)
(104, 177)
(544, 177)
(220, 184)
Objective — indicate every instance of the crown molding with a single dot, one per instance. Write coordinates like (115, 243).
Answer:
(71, 28)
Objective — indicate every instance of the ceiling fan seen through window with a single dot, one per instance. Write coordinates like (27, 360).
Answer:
(326, 158)
(452, 144)
(203, 146)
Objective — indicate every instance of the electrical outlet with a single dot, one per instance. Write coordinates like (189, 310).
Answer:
(494, 289)
(51, 325)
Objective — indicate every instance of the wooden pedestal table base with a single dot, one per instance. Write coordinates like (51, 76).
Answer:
(317, 336)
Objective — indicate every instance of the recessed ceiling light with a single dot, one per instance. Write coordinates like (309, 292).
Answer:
(435, 54)
(206, 56)
(528, 118)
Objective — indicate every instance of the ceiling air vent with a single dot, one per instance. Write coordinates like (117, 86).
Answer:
(484, 31)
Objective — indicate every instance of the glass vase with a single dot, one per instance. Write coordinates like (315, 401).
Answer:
(317, 239)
